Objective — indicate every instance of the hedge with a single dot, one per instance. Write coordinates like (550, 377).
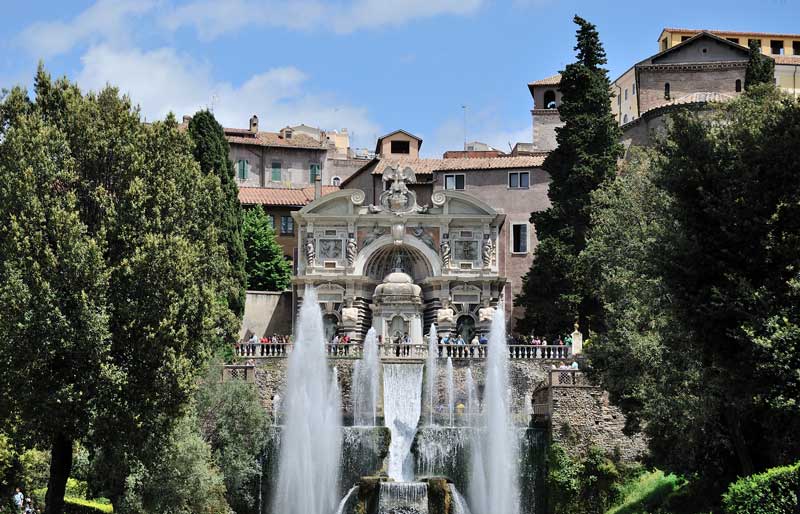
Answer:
(81, 506)
(771, 492)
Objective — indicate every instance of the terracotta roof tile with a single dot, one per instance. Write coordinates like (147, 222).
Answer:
(272, 139)
(429, 166)
(288, 197)
(786, 59)
(549, 81)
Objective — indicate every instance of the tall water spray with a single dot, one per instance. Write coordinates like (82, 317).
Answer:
(402, 403)
(430, 370)
(365, 383)
(450, 392)
(493, 484)
(311, 439)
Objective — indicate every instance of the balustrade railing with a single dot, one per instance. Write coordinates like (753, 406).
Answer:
(410, 351)
(567, 377)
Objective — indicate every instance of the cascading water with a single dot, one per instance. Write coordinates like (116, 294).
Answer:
(398, 498)
(459, 503)
(493, 485)
(365, 383)
(310, 445)
(430, 370)
(450, 392)
(402, 404)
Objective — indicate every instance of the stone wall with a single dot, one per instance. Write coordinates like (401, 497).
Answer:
(267, 313)
(582, 416)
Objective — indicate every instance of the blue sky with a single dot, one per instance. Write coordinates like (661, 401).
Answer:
(369, 65)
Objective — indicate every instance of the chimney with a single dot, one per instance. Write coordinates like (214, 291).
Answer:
(317, 186)
(187, 118)
(254, 124)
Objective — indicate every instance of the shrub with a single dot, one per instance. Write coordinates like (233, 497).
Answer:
(771, 492)
(81, 506)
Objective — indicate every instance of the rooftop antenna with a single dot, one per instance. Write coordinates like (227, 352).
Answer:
(214, 99)
(464, 108)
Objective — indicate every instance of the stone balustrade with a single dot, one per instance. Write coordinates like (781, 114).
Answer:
(411, 351)
(567, 378)
(246, 373)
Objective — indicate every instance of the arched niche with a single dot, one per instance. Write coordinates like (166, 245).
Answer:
(425, 258)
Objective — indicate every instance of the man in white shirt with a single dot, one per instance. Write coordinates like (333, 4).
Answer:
(18, 499)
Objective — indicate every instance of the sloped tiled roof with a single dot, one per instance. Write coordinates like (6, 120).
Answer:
(786, 59)
(271, 139)
(553, 80)
(428, 166)
(288, 197)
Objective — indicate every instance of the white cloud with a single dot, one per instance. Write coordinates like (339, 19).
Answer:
(163, 81)
(106, 20)
(212, 18)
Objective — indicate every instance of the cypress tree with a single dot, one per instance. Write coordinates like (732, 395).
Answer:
(760, 68)
(267, 269)
(211, 150)
(554, 294)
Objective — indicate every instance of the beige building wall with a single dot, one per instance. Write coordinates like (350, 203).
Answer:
(624, 104)
(672, 38)
(295, 165)
(683, 82)
(413, 146)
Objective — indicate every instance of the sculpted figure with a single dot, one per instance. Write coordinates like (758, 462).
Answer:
(485, 313)
(488, 253)
(445, 314)
(372, 236)
(350, 313)
(311, 252)
(444, 252)
(426, 238)
(352, 250)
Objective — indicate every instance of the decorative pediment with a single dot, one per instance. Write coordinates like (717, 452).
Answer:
(340, 203)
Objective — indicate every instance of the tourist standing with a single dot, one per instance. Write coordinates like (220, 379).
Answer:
(335, 344)
(406, 344)
(18, 499)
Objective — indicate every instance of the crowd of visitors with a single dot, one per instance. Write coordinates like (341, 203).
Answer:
(339, 345)
(265, 346)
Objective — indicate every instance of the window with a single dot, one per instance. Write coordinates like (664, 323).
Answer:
(241, 167)
(287, 226)
(796, 47)
(733, 40)
(633, 89)
(519, 238)
(626, 93)
(758, 41)
(666, 90)
(313, 173)
(454, 181)
(276, 172)
(684, 38)
(625, 118)
(738, 85)
(664, 44)
(271, 218)
(776, 47)
(519, 180)
(336, 181)
(401, 147)
(549, 99)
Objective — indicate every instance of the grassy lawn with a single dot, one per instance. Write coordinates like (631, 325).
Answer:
(647, 492)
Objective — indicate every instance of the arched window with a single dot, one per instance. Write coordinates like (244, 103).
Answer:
(549, 99)
(625, 119)
(738, 85)
(666, 90)
(336, 181)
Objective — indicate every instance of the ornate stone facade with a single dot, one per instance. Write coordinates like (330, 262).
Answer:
(399, 266)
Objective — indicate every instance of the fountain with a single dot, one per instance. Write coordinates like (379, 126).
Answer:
(402, 392)
(310, 444)
(365, 383)
(430, 370)
(493, 488)
(450, 392)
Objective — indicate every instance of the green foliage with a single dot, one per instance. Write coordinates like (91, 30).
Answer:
(267, 269)
(233, 423)
(183, 480)
(588, 485)
(82, 506)
(112, 275)
(554, 292)
(773, 492)
(647, 493)
(760, 68)
(34, 469)
(212, 153)
(695, 254)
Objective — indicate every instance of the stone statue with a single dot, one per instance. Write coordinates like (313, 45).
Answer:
(349, 313)
(486, 313)
(488, 252)
(372, 236)
(419, 232)
(444, 252)
(311, 252)
(352, 250)
(445, 314)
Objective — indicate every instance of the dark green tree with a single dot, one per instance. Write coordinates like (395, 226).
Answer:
(267, 269)
(211, 150)
(112, 275)
(554, 293)
(760, 68)
(696, 252)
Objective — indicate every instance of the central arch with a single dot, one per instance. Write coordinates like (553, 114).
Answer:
(385, 259)
(372, 259)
